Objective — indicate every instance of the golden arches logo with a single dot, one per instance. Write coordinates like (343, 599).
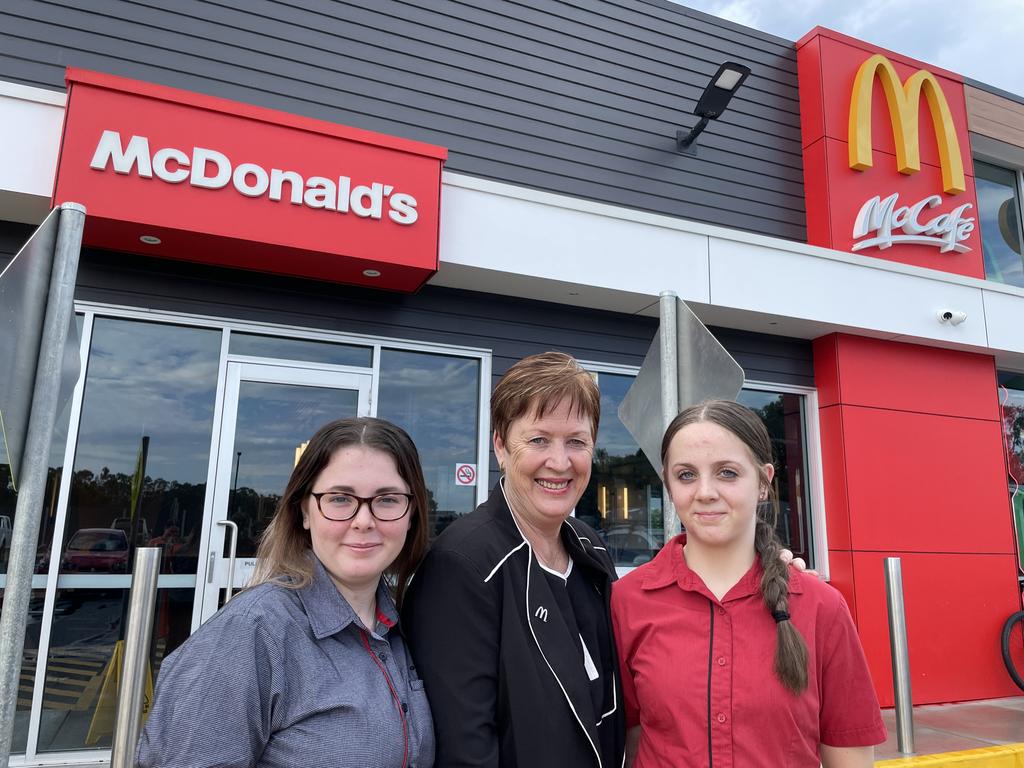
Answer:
(904, 100)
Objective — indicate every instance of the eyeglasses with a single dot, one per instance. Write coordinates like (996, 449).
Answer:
(386, 507)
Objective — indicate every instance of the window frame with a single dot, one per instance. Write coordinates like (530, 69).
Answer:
(1010, 158)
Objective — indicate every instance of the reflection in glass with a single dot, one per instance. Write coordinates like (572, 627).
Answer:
(999, 211)
(784, 417)
(623, 500)
(26, 679)
(143, 446)
(1011, 399)
(307, 350)
(9, 498)
(435, 398)
(80, 693)
(273, 421)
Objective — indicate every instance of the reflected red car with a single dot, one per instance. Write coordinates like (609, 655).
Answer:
(103, 550)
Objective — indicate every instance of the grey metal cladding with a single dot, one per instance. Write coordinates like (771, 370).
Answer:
(579, 97)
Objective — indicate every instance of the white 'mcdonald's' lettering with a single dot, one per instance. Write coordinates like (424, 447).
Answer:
(947, 231)
(210, 169)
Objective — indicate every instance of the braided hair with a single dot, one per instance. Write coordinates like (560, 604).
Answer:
(790, 648)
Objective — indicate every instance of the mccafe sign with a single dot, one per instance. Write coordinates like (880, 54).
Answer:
(887, 167)
(179, 175)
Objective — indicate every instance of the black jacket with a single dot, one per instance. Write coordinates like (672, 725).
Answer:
(505, 684)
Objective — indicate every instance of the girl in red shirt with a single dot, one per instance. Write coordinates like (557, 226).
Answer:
(729, 659)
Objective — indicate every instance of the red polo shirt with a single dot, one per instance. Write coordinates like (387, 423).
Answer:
(697, 673)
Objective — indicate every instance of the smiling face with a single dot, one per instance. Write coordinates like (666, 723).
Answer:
(356, 552)
(547, 464)
(715, 486)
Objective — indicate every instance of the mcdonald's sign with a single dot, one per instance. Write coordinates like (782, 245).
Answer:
(904, 100)
(887, 165)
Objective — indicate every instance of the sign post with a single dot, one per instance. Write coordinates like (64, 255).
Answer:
(685, 364)
(46, 389)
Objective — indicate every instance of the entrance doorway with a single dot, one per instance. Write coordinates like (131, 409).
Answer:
(269, 412)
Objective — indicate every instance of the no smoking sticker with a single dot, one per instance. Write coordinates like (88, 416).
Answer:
(465, 474)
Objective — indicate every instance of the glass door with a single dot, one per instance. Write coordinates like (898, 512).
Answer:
(269, 413)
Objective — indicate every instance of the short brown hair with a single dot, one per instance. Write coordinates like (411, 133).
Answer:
(285, 550)
(538, 383)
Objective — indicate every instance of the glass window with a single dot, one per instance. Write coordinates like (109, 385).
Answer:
(435, 398)
(307, 350)
(623, 500)
(86, 643)
(999, 211)
(1011, 399)
(9, 498)
(27, 676)
(273, 421)
(783, 415)
(143, 446)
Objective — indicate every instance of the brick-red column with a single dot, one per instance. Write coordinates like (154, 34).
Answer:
(914, 467)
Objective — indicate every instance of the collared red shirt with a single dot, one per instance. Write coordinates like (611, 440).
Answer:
(290, 677)
(698, 677)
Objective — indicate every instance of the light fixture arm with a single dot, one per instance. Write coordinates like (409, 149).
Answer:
(685, 139)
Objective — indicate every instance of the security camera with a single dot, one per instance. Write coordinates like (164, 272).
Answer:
(953, 317)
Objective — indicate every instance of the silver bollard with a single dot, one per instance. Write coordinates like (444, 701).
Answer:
(900, 656)
(137, 636)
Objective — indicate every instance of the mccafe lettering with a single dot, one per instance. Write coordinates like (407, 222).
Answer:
(210, 169)
(884, 219)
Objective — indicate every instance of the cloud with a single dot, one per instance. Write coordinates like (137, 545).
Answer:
(978, 41)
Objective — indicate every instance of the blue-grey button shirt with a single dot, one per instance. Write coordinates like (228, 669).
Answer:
(288, 678)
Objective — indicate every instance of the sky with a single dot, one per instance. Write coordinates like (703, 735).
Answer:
(979, 39)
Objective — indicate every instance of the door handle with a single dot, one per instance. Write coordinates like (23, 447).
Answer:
(233, 528)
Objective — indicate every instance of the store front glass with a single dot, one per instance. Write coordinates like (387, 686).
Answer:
(625, 499)
(1011, 401)
(183, 437)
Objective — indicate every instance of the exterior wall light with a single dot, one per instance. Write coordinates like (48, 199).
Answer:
(713, 101)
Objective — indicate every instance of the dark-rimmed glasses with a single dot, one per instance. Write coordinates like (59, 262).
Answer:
(386, 507)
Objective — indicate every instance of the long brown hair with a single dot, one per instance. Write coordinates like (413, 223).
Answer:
(790, 648)
(285, 551)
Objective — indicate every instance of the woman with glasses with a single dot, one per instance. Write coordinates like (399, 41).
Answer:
(307, 666)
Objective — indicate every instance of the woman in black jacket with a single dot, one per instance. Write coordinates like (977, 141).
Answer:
(508, 616)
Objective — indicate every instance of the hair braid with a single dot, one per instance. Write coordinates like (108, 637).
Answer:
(790, 649)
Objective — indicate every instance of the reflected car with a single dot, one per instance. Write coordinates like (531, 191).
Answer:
(98, 550)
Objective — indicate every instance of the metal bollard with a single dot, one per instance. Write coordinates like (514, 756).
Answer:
(900, 656)
(138, 634)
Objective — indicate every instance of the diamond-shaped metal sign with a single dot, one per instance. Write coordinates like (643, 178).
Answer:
(705, 371)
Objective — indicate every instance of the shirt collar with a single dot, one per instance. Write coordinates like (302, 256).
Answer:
(669, 567)
(329, 612)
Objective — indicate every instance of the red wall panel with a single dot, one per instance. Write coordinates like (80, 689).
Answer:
(833, 459)
(909, 377)
(913, 465)
(924, 483)
(955, 606)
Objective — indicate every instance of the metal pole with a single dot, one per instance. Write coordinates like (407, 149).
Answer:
(669, 392)
(137, 636)
(900, 655)
(60, 304)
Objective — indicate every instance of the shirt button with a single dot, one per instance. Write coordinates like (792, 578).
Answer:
(722, 718)
(383, 656)
(721, 661)
(721, 611)
(405, 708)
